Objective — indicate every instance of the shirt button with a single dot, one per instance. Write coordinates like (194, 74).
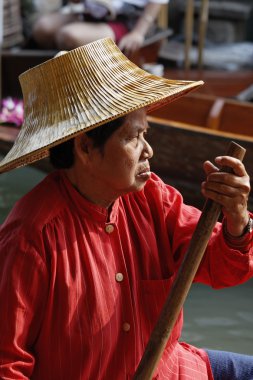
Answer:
(119, 277)
(109, 228)
(126, 327)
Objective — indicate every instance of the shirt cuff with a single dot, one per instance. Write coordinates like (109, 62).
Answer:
(241, 243)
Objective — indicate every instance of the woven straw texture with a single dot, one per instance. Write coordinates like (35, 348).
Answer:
(81, 90)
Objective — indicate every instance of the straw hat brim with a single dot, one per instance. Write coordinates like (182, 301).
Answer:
(81, 90)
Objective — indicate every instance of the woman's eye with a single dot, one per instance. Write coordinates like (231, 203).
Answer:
(136, 136)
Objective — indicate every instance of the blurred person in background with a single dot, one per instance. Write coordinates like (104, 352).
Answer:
(82, 22)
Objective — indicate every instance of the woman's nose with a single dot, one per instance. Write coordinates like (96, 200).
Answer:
(147, 150)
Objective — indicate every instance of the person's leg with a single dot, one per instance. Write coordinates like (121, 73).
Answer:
(80, 33)
(230, 366)
(47, 26)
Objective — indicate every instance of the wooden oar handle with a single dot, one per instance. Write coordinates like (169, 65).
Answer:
(183, 281)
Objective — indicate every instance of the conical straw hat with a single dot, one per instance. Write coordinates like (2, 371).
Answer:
(81, 90)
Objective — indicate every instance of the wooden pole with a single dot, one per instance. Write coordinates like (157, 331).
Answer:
(183, 281)
(188, 32)
(163, 17)
(203, 20)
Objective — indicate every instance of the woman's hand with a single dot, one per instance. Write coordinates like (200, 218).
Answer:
(131, 42)
(231, 191)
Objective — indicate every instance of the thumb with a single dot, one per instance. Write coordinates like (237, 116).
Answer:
(209, 168)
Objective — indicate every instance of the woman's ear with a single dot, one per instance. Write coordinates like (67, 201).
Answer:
(82, 145)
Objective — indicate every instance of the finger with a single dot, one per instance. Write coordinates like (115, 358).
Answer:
(226, 189)
(122, 44)
(127, 51)
(209, 168)
(230, 202)
(229, 179)
(133, 46)
(235, 164)
(214, 196)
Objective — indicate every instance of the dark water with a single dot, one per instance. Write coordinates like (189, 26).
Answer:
(14, 184)
(218, 319)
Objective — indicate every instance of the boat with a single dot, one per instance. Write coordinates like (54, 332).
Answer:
(181, 149)
(211, 112)
(196, 128)
(221, 83)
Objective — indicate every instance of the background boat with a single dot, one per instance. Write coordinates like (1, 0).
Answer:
(180, 150)
(195, 128)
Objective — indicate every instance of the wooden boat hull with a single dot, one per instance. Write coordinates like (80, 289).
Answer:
(211, 112)
(180, 150)
(216, 82)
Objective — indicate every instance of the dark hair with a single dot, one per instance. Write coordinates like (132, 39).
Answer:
(62, 156)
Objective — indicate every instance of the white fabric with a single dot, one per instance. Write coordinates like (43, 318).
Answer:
(45, 6)
(116, 5)
(143, 3)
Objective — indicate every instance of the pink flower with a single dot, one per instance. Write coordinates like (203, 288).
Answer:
(12, 111)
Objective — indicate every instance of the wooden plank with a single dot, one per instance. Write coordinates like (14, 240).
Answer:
(8, 134)
(203, 20)
(189, 15)
(194, 109)
(217, 82)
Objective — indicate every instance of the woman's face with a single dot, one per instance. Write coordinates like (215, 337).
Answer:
(123, 165)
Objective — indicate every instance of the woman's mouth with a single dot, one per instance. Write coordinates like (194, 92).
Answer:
(144, 174)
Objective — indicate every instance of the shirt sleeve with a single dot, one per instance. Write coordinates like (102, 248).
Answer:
(242, 243)
(22, 300)
(222, 265)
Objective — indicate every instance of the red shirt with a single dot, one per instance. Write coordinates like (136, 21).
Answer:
(80, 290)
